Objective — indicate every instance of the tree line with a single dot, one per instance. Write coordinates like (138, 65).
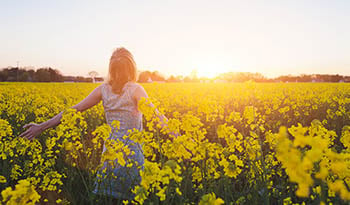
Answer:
(23, 75)
(148, 76)
(48, 74)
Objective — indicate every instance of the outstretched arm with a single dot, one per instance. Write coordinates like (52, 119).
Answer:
(141, 93)
(35, 129)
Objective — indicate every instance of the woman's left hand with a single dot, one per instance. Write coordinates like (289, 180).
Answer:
(32, 131)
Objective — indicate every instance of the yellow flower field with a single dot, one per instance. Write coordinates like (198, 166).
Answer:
(239, 143)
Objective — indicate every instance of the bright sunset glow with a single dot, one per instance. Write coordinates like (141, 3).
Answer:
(206, 102)
(176, 37)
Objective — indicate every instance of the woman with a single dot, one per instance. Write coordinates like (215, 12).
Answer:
(120, 96)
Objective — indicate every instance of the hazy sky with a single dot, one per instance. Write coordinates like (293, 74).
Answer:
(176, 37)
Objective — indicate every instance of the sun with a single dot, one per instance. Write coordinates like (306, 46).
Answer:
(208, 73)
(211, 69)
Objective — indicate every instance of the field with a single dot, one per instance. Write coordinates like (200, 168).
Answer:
(239, 143)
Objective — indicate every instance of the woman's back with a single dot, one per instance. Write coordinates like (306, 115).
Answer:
(122, 107)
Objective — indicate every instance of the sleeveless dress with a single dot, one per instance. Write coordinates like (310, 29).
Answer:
(123, 108)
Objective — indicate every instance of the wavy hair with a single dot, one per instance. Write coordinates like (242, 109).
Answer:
(122, 69)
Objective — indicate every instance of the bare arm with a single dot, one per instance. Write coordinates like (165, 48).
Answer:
(141, 93)
(35, 129)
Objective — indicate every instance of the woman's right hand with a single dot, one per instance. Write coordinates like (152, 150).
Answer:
(32, 131)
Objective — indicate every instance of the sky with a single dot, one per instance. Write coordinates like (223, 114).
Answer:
(176, 37)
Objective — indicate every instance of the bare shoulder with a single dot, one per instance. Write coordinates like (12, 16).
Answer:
(139, 92)
(103, 88)
(103, 85)
(98, 90)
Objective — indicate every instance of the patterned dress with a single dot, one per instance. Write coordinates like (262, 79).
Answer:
(123, 108)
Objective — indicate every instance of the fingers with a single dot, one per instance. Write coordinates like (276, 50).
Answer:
(30, 136)
(27, 134)
(24, 133)
(28, 125)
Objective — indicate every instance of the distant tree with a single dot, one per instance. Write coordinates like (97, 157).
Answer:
(93, 75)
(4, 75)
(337, 78)
(42, 75)
(55, 75)
(156, 76)
(23, 76)
(31, 73)
(82, 79)
(241, 77)
(173, 79)
(48, 75)
(303, 78)
(12, 74)
(144, 76)
(187, 79)
(180, 77)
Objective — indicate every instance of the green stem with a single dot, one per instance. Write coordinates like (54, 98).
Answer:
(84, 182)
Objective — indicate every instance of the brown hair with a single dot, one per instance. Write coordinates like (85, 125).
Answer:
(122, 69)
